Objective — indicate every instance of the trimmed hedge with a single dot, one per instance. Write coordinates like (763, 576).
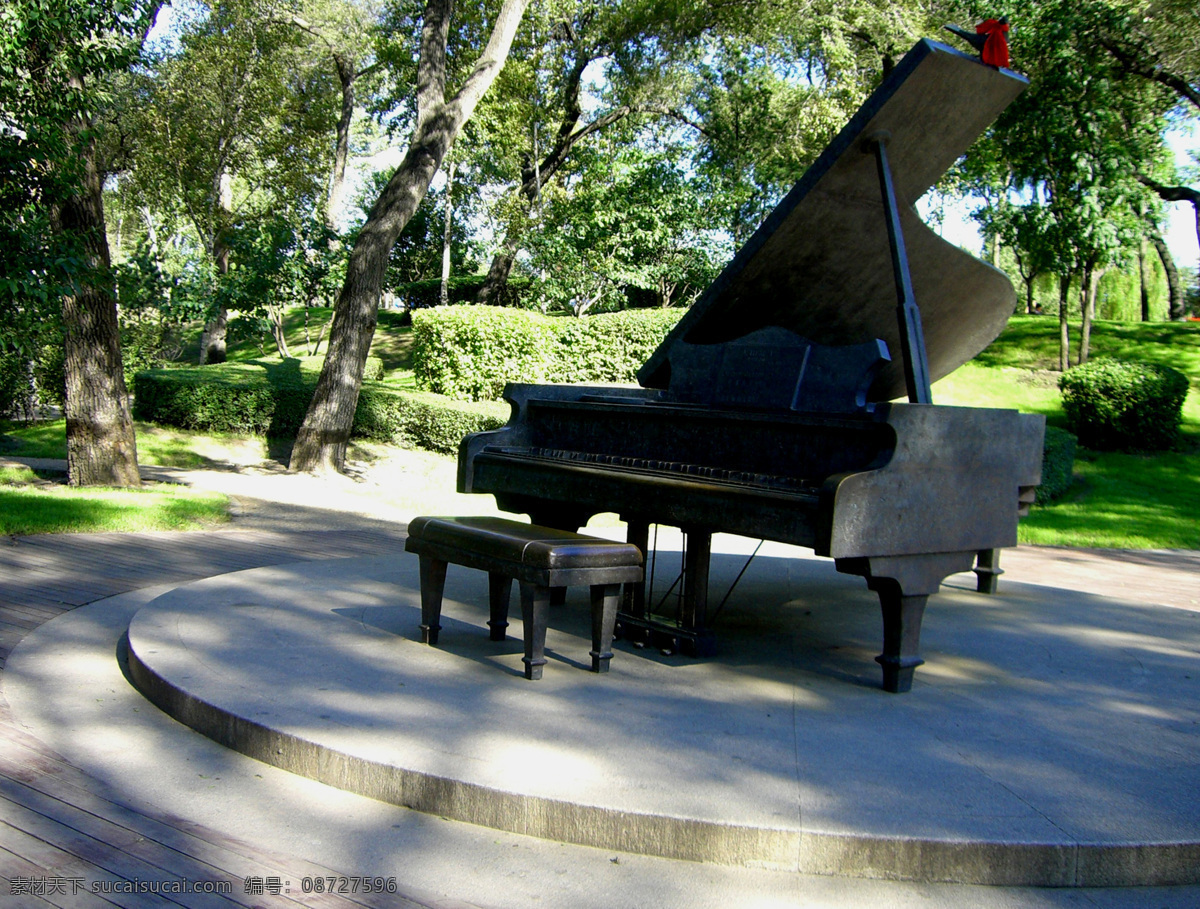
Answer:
(460, 289)
(1058, 464)
(418, 419)
(471, 352)
(1113, 405)
(271, 398)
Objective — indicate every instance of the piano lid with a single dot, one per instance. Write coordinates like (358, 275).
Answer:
(820, 264)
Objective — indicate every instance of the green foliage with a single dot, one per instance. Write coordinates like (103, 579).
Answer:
(608, 347)
(459, 289)
(277, 264)
(270, 398)
(421, 419)
(1058, 464)
(472, 352)
(54, 58)
(1117, 406)
(259, 398)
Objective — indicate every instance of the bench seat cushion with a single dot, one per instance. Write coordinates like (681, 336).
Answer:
(541, 548)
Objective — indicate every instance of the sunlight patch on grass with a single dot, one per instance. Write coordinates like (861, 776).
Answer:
(58, 508)
(1124, 501)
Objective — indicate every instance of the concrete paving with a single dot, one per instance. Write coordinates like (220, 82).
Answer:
(1051, 738)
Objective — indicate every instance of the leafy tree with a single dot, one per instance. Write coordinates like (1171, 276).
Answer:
(54, 58)
(276, 265)
(637, 226)
(233, 124)
(1072, 145)
(439, 117)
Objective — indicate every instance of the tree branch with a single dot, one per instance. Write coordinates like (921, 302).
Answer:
(1171, 193)
(431, 65)
(1132, 63)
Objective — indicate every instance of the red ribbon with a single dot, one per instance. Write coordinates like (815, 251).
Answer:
(995, 49)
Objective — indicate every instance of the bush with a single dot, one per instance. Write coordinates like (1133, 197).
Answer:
(609, 347)
(1058, 464)
(271, 398)
(1117, 406)
(462, 289)
(422, 419)
(255, 397)
(472, 352)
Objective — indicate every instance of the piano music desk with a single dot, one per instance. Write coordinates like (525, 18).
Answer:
(541, 559)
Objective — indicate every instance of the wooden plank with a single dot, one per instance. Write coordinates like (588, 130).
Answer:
(61, 782)
(14, 869)
(48, 861)
(116, 851)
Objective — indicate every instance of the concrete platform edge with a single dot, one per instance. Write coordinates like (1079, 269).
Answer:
(689, 839)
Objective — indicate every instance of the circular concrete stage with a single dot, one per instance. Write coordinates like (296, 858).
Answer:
(1050, 738)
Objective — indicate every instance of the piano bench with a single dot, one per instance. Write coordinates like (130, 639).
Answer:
(540, 559)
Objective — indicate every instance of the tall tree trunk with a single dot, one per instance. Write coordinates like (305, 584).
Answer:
(212, 339)
(448, 222)
(101, 447)
(1176, 307)
(1089, 283)
(500, 269)
(1064, 329)
(1144, 280)
(322, 439)
(341, 151)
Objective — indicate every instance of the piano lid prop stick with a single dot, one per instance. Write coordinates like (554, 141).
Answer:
(912, 338)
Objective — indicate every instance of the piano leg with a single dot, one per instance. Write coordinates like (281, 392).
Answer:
(901, 634)
(988, 570)
(633, 605)
(697, 558)
(904, 584)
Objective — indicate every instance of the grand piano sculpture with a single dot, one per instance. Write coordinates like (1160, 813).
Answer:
(764, 412)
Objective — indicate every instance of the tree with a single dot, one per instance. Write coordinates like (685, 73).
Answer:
(345, 32)
(627, 222)
(54, 58)
(231, 126)
(321, 442)
(1073, 143)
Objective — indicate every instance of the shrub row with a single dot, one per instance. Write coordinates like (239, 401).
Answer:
(471, 352)
(1117, 406)
(461, 289)
(1058, 464)
(265, 398)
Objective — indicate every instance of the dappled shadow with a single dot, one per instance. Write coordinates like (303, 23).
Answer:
(1060, 719)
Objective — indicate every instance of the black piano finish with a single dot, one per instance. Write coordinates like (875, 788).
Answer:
(766, 414)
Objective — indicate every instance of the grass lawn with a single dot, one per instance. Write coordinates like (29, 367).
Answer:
(1121, 501)
(32, 503)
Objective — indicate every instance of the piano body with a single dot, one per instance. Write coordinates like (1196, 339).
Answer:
(770, 410)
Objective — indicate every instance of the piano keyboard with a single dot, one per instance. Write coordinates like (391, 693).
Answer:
(674, 468)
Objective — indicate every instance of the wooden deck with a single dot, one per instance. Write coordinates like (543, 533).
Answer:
(63, 834)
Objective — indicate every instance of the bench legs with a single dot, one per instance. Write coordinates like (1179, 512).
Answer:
(605, 599)
(535, 609)
(433, 584)
(499, 592)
